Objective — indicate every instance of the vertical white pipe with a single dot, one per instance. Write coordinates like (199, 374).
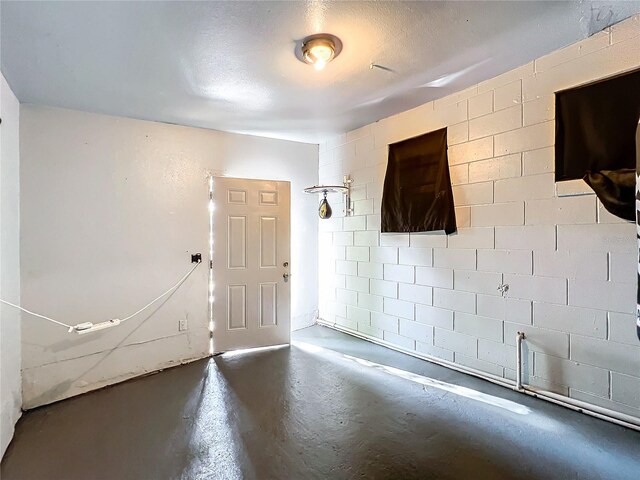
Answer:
(519, 338)
(572, 403)
(348, 207)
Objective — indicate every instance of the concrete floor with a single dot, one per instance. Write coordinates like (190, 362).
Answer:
(305, 412)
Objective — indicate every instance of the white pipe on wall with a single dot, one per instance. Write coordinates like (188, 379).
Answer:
(582, 407)
(568, 402)
(519, 338)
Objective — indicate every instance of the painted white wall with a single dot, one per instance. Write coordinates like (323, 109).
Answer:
(111, 209)
(10, 356)
(570, 265)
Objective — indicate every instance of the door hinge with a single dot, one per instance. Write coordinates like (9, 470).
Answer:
(211, 264)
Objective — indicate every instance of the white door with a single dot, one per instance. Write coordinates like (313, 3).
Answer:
(251, 247)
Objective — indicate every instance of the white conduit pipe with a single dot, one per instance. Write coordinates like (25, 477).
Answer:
(568, 402)
(519, 338)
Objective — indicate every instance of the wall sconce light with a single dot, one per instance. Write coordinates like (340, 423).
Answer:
(324, 210)
(320, 49)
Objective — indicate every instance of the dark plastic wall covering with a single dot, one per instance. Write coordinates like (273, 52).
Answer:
(417, 195)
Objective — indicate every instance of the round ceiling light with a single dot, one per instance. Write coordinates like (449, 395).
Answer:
(320, 49)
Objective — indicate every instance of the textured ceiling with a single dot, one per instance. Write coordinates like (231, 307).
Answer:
(231, 65)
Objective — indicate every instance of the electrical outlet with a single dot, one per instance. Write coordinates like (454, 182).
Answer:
(182, 325)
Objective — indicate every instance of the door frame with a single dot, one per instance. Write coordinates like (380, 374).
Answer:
(212, 279)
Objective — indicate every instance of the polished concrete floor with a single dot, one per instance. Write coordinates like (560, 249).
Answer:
(323, 408)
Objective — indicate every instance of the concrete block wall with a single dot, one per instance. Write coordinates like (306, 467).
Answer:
(569, 264)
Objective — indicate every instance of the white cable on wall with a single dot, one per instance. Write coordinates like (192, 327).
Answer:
(87, 327)
(35, 314)
(177, 284)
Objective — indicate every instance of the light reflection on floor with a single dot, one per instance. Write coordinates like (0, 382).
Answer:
(420, 379)
(246, 351)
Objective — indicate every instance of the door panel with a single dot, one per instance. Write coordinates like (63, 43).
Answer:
(237, 307)
(237, 196)
(251, 248)
(237, 241)
(268, 304)
(268, 242)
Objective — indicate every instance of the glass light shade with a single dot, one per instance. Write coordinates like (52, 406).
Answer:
(318, 52)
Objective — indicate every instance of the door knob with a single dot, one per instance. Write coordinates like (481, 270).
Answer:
(285, 276)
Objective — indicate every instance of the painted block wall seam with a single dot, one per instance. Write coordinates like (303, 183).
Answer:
(563, 258)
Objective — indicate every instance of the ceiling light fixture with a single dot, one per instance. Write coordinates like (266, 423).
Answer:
(320, 49)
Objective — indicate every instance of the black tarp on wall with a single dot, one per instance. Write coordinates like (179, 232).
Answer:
(417, 194)
(595, 139)
(638, 222)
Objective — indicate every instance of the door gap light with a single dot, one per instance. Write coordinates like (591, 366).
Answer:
(320, 49)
